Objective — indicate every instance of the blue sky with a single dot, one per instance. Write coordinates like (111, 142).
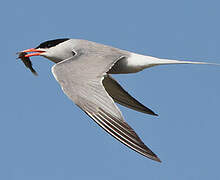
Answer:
(44, 136)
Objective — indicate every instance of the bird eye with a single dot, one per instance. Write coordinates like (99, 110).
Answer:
(74, 53)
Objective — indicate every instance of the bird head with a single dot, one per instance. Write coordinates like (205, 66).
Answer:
(55, 50)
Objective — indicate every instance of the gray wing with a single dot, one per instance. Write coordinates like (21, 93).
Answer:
(122, 97)
(81, 81)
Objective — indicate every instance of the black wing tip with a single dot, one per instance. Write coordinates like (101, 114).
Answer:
(157, 159)
(152, 157)
(151, 112)
(154, 114)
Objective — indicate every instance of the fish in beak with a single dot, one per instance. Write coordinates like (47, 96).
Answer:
(24, 56)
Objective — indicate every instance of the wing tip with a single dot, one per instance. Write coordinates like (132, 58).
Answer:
(151, 113)
(157, 159)
(148, 111)
(154, 114)
(152, 157)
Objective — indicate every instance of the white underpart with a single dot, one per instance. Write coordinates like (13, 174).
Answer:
(137, 62)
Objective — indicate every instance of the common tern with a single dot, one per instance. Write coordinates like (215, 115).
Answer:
(83, 70)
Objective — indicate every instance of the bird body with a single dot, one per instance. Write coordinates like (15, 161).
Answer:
(83, 70)
(127, 62)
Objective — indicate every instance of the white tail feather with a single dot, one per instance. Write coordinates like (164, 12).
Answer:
(137, 62)
(168, 61)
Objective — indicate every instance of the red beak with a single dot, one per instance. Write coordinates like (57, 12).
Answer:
(36, 52)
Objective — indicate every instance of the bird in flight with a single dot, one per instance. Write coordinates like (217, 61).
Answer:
(83, 69)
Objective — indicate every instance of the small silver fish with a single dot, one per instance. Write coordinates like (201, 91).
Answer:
(27, 62)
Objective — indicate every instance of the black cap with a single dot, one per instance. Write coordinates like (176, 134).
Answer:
(51, 43)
